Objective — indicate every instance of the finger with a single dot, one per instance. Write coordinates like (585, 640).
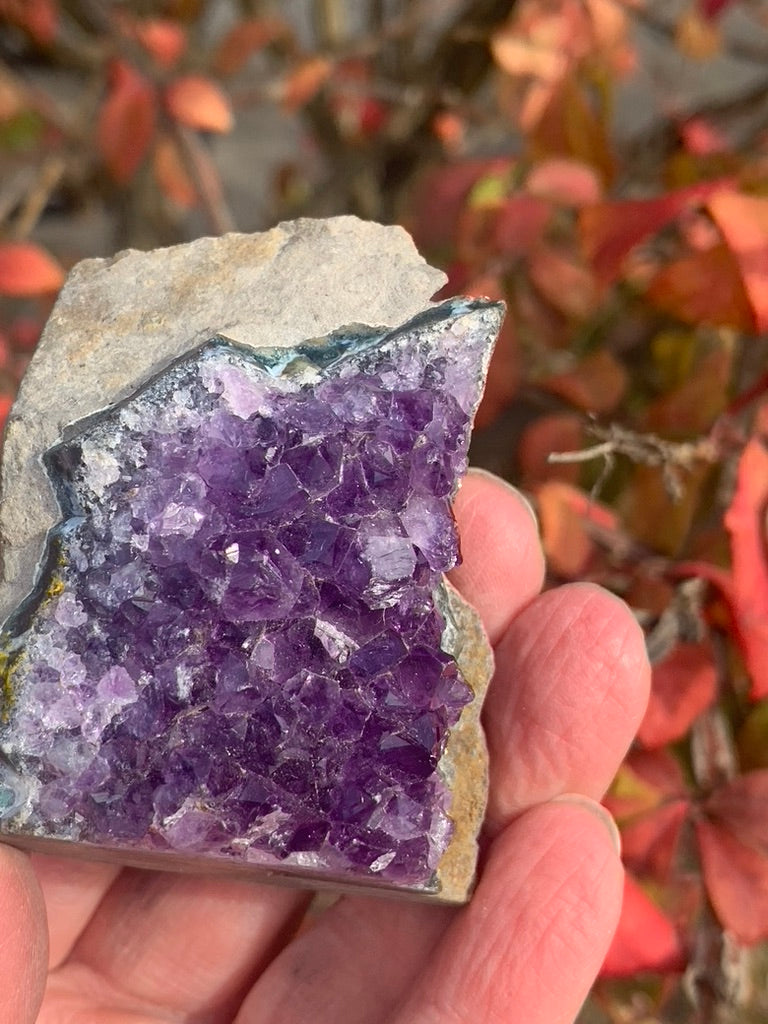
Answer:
(372, 948)
(72, 889)
(529, 944)
(23, 941)
(570, 690)
(503, 565)
(181, 944)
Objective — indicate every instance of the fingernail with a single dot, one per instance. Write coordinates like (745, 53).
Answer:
(521, 497)
(596, 809)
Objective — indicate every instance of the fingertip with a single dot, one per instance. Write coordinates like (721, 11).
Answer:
(502, 561)
(570, 691)
(23, 939)
(538, 927)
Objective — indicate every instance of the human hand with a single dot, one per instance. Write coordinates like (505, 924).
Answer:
(138, 947)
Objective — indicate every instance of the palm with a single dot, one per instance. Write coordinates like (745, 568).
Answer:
(144, 947)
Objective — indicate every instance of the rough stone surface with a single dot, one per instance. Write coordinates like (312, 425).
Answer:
(240, 644)
(118, 321)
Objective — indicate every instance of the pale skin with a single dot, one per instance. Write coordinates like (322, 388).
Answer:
(85, 943)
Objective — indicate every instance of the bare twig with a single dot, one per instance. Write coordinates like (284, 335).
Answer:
(674, 457)
(206, 178)
(681, 622)
(37, 196)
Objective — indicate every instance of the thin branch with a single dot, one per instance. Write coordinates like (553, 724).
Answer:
(206, 178)
(36, 199)
(674, 457)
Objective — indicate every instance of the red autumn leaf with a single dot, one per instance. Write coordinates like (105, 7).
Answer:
(519, 223)
(304, 83)
(126, 122)
(597, 384)
(745, 522)
(611, 229)
(557, 432)
(712, 8)
(26, 269)
(358, 114)
(743, 221)
(25, 332)
(171, 174)
(649, 843)
(163, 39)
(736, 878)
(439, 199)
(563, 181)
(740, 806)
(645, 940)
(567, 285)
(704, 287)
(199, 103)
(244, 40)
(682, 686)
(646, 780)
(40, 18)
(565, 514)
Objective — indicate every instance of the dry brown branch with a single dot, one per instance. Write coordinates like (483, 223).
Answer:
(673, 457)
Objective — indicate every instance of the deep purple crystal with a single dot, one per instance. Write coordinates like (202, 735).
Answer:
(235, 644)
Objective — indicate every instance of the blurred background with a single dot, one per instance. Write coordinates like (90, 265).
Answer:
(602, 165)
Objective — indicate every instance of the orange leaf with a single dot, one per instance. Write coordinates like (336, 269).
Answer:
(244, 40)
(683, 685)
(126, 122)
(645, 940)
(199, 103)
(745, 522)
(303, 83)
(743, 221)
(697, 37)
(596, 385)
(565, 513)
(736, 878)
(568, 125)
(518, 56)
(565, 284)
(611, 229)
(693, 406)
(705, 287)
(171, 174)
(557, 432)
(568, 182)
(163, 39)
(26, 269)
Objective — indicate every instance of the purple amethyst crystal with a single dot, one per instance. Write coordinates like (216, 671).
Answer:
(236, 643)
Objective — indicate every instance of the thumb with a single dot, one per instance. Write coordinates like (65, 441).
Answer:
(23, 939)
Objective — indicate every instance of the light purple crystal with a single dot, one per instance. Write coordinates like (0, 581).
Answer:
(235, 646)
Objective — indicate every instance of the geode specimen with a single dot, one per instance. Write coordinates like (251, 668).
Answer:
(239, 646)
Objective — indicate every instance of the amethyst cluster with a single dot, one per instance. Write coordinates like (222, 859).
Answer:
(236, 642)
